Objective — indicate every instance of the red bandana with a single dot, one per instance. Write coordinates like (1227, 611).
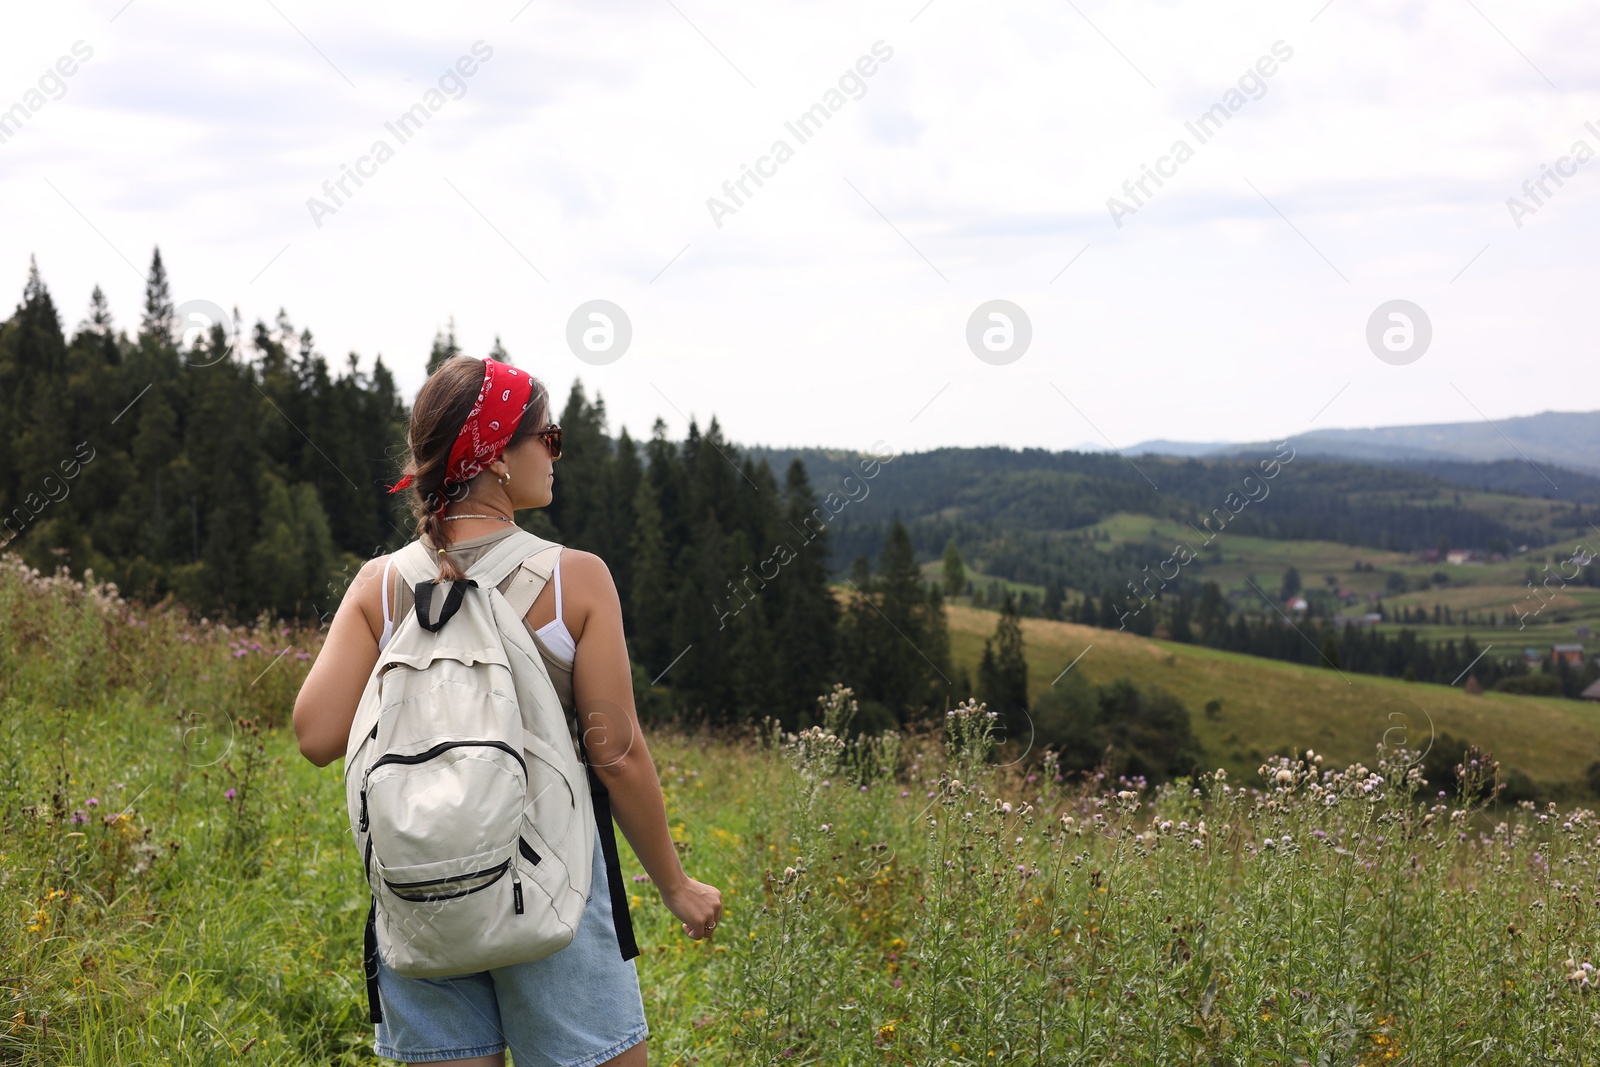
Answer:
(505, 395)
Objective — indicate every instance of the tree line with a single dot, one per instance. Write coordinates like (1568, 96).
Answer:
(1211, 621)
(239, 474)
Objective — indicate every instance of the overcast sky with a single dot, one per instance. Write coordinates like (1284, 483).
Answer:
(830, 305)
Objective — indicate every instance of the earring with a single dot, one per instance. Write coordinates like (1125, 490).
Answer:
(503, 479)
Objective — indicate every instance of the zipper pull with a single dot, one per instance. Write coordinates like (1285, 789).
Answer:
(363, 824)
(516, 894)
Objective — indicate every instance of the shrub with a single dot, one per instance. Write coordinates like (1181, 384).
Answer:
(1533, 685)
(1138, 732)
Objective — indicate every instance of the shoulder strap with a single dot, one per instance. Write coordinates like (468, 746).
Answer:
(529, 555)
(505, 556)
(530, 578)
(415, 564)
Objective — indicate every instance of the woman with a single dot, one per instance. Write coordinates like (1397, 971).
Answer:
(470, 470)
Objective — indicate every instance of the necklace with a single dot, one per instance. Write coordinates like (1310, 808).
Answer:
(453, 518)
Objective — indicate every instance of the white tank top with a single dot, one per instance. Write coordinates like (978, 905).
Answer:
(554, 635)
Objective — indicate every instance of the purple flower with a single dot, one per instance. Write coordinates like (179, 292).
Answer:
(80, 817)
(896, 983)
(230, 793)
(92, 802)
(905, 792)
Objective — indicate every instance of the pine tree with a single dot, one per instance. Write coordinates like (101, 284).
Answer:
(583, 475)
(955, 573)
(805, 632)
(1054, 598)
(1003, 674)
(701, 676)
(1290, 585)
(621, 519)
(444, 347)
(158, 322)
(650, 601)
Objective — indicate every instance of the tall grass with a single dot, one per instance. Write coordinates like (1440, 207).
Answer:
(178, 886)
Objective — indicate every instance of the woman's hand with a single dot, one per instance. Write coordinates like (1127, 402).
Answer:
(697, 904)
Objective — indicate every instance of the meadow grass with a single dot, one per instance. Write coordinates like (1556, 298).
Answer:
(180, 886)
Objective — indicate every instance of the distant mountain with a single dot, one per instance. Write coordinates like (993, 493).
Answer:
(1566, 439)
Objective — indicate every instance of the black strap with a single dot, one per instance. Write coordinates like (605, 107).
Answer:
(370, 964)
(422, 594)
(601, 797)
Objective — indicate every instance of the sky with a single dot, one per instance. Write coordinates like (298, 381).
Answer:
(1357, 153)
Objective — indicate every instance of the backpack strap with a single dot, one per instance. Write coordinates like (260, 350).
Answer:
(369, 964)
(530, 578)
(415, 564)
(505, 556)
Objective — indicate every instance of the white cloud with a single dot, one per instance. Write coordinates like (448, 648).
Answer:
(588, 145)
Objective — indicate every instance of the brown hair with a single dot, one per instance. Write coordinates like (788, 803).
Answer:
(441, 409)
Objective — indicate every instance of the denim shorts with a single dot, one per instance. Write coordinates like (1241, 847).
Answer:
(576, 1008)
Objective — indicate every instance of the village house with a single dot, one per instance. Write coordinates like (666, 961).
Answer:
(1571, 655)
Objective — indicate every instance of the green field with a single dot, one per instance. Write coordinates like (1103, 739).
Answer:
(1326, 569)
(181, 888)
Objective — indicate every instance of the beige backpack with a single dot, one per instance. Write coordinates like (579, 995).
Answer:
(468, 803)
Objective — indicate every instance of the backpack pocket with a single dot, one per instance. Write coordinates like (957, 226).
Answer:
(447, 804)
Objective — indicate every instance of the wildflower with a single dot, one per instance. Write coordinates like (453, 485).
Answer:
(1285, 776)
(79, 817)
(1005, 807)
(92, 802)
(907, 792)
(826, 827)
(230, 793)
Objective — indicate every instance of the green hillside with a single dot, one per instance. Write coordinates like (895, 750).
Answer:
(1270, 707)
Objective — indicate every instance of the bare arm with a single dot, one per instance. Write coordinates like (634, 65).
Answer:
(330, 694)
(602, 685)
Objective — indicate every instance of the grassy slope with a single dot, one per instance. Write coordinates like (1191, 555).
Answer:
(1269, 706)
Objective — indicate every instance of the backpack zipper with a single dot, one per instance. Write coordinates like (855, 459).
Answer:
(516, 893)
(444, 746)
(419, 892)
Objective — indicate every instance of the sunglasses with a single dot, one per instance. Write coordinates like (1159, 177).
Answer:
(551, 437)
